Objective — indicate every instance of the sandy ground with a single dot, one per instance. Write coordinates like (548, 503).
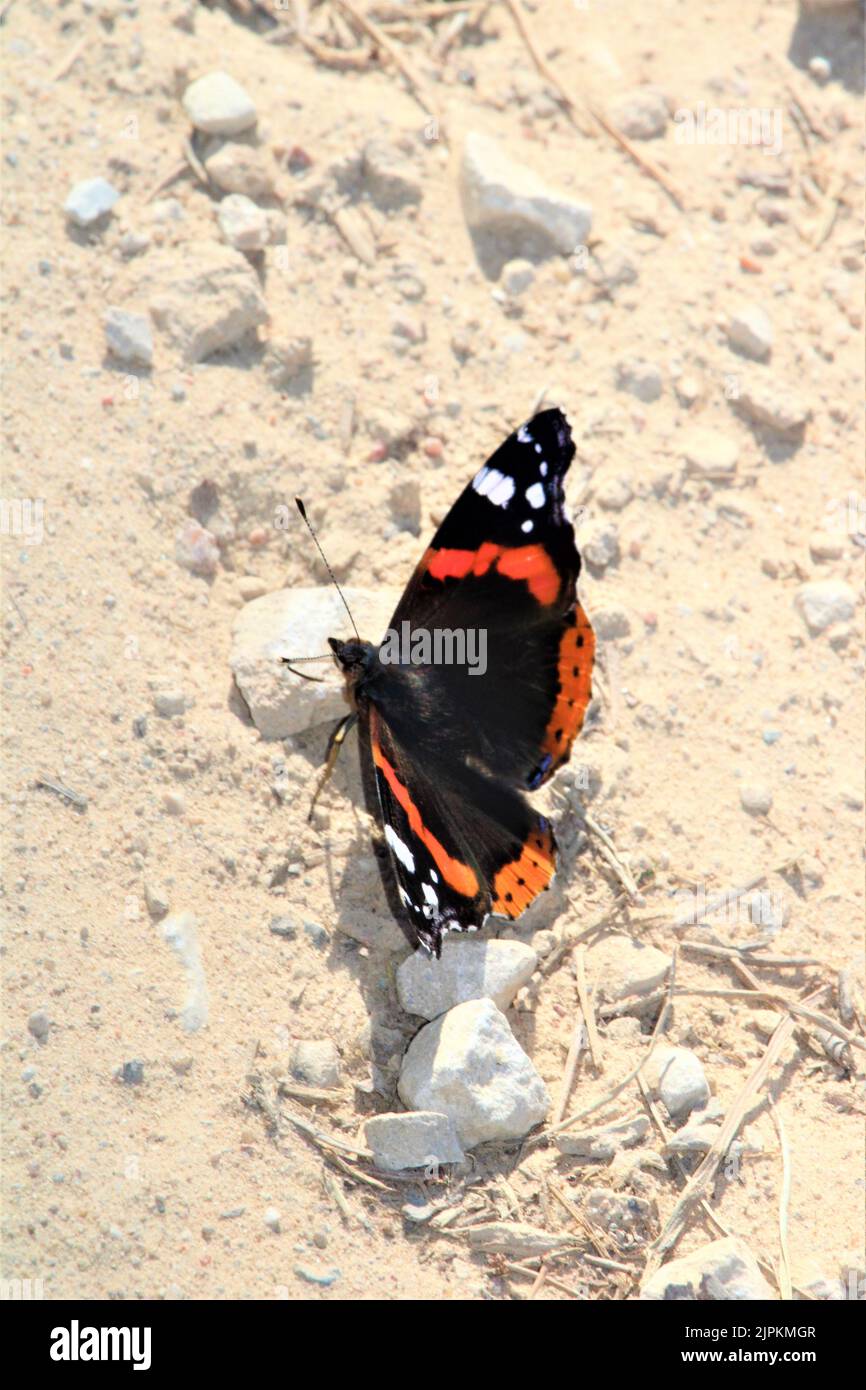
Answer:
(158, 1185)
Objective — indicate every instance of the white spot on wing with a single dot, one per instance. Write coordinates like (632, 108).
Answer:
(503, 492)
(430, 894)
(535, 496)
(523, 435)
(399, 850)
(496, 486)
(487, 480)
(527, 526)
(542, 468)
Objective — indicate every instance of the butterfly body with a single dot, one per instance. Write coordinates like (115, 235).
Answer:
(456, 744)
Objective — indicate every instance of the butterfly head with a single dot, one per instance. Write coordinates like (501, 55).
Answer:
(355, 660)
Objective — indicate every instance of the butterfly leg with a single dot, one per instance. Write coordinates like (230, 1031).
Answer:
(335, 743)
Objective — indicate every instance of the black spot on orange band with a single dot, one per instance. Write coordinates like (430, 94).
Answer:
(519, 882)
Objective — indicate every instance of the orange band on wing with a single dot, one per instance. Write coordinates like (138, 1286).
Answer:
(530, 563)
(518, 883)
(576, 653)
(459, 875)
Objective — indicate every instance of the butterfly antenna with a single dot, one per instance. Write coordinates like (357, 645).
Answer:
(289, 660)
(301, 508)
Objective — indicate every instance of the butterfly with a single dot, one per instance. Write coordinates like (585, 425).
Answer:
(456, 748)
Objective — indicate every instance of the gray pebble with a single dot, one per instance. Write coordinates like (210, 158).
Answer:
(640, 378)
(169, 702)
(39, 1024)
(128, 336)
(316, 1062)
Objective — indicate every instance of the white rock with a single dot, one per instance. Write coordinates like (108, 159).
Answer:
(218, 105)
(419, 1139)
(768, 401)
(756, 798)
(244, 225)
(128, 336)
(640, 114)
(468, 1065)
(89, 201)
(708, 453)
(824, 602)
(677, 1077)
(467, 970)
(298, 622)
(206, 300)
(723, 1270)
(750, 331)
(503, 197)
(316, 1062)
(621, 967)
(239, 168)
(272, 1220)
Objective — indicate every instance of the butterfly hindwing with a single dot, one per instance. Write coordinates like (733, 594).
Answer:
(458, 851)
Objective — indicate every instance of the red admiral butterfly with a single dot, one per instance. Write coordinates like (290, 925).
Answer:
(453, 750)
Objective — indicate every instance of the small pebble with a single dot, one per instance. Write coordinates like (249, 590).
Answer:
(517, 277)
(128, 336)
(750, 332)
(196, 549)
(169, 703)
(316, 1062)
(756, 798)
(821, 69)
(640, 378)
(218, 105)
(89, 201)
(39, 1024)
